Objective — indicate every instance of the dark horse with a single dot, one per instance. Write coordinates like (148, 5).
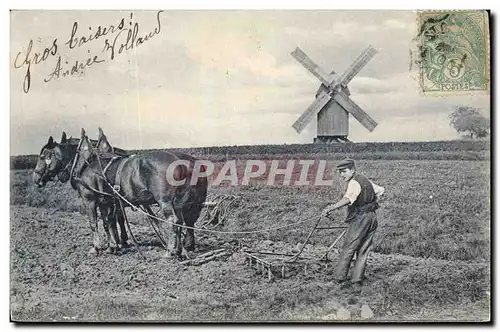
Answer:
(62, 160)
(139, 179)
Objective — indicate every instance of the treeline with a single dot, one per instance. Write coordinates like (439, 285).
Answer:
(462, 145)
(23, 162)
(439, 150)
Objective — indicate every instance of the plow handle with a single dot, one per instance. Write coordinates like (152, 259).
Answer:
(294, 258)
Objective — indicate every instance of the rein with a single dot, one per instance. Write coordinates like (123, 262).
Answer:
(65, 169)
(75, 159)
(121, 198)
(73, 179)
(210, 230)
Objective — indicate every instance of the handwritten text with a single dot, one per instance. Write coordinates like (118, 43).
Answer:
(132, 39)
(122, 36)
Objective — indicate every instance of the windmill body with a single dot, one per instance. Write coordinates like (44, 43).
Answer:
(333, 104)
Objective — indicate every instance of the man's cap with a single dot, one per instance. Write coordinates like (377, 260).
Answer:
(346, 163)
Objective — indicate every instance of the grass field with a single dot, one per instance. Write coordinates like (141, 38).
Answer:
(432, 250)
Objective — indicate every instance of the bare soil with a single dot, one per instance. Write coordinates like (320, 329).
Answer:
(53, 278)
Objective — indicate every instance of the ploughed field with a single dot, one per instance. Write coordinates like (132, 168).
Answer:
(431, 258)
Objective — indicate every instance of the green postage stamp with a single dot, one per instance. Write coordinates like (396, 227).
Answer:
(454, 51)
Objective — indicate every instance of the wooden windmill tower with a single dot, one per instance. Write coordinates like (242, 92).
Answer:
(332, 104)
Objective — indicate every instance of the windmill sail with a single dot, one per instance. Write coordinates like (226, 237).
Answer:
(301, 57)
(356, 111)
(357, 65)
(334, 87)
(311, 111)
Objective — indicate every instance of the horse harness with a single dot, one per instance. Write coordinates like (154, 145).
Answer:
(116, 186)
(117, 183)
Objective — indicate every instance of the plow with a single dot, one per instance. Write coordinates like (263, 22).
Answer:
(267, 263)
(272, 264)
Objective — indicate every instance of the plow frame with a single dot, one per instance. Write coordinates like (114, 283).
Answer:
(266, 261)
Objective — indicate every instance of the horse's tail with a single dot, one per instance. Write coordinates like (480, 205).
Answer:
(180, 173)
(189, 198)
(184, 173)
(192, 193)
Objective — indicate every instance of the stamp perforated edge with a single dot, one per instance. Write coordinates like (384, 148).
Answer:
(487, 27)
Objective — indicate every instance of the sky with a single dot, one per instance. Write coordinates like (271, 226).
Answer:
(209, 78)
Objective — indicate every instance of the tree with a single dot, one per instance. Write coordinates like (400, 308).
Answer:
(470, 121)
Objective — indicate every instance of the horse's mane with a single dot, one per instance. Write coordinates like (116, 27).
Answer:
(75, 141)
(120, 152)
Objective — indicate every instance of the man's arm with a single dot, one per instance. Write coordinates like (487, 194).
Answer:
(343, 202)
(352, 193)
(330, 208)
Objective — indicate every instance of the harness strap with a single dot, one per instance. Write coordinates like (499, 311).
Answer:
(117, 185)
(73, 164)
(109, 164)
(83, 184)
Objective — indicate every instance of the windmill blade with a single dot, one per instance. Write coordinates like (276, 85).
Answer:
(305, 61)
(356, 111)
(357, 65)
(312, 110)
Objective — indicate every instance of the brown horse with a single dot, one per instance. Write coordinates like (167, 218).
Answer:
(86, 176)
(54, 160)
(66, 161)
(143, 180)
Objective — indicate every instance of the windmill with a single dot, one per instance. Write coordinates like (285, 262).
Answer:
(332, 104)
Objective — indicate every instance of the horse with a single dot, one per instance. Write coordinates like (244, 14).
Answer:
(142, 180)
(63, 161)
(187, 206)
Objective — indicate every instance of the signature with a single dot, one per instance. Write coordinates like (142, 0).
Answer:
(114, 44)
(132, 39)
(77, 68)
